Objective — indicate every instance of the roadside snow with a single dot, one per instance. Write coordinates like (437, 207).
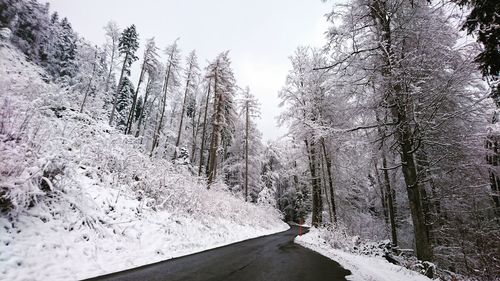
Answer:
(85, 200)
(41, 247)
(363, 268)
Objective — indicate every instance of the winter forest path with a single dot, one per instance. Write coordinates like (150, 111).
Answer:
(271, 258)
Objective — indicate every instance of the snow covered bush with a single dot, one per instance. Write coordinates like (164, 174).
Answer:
(338, 237)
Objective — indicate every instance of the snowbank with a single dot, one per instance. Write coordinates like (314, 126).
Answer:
(84, 200)
(363, 268)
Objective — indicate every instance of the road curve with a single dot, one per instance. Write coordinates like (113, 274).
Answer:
(269, 258)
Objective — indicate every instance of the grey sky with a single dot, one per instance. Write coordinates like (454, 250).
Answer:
(260, 34)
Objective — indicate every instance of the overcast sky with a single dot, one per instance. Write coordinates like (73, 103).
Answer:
(260, 34)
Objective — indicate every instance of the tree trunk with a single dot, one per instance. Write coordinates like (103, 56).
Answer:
(383, 196)
(246, 150)
(195, 130)
(183, 110)
(324, 187)
(397, 98)
(158, 128)
(317, 203)
(90, 82)
(143, 113)
(389, 193)
(215, 133)
(328, 162)
(113, 53)
(430, 203)
(414, 197)
(493, 160)
(117, 94)
(130, 119)
(202, 146)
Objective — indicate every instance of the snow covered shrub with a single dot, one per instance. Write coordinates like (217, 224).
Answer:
(26, 174)
(337, 236)
(381, 248)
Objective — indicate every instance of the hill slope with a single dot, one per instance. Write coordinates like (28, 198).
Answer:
(80, 199)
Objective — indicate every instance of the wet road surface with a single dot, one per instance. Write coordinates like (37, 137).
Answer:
(270, 258)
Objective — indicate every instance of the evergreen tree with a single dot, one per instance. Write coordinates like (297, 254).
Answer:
(127, 46)
(484, 21)
(65, 52)
(139, 108)
(224, 87)
(124, 102)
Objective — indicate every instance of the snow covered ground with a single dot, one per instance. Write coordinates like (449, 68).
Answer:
(363, 268)
(38, 246)
(86, 200)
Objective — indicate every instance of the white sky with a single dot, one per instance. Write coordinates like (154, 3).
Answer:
(260, 34)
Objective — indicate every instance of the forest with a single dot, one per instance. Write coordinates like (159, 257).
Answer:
(392, 127)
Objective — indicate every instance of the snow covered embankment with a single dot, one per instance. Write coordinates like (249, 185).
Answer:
(363, 268)
(80, 199)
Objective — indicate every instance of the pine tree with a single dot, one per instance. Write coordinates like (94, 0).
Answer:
(66, 50)
(124, 102)
(128, 45)
(224, 90)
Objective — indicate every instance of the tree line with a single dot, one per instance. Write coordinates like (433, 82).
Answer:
(198, 117)
(393, 121)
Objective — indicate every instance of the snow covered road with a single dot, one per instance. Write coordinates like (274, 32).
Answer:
(274, 257)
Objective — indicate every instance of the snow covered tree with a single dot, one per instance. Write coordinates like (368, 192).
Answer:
(65, 53)
(124, 102)
(127, 46)
(146, 124)
(170, 84)
(204, 129)
(45, 39)
(191, 75)
(8, 11)
(243, 163)
(194, 111)
(224, 88)
(302, 96)
(483, 20)
(89, 80)
(30, 25)
(149, 64)
(112, 34)
(285, 175)
(414, 90)
(250, 108)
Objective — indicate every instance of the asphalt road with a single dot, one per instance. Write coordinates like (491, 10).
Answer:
(270, 258)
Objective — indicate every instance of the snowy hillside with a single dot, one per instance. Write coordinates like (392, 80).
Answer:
(78, 192)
